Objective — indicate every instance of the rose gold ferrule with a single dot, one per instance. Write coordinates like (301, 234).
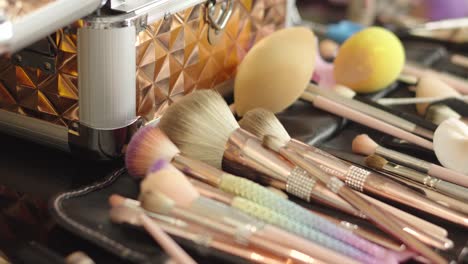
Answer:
(247, 150)
(198, 170)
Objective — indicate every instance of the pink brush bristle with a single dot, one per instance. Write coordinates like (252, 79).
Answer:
(137, 159)
(148, 145)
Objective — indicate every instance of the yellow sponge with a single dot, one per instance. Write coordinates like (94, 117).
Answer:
(370, 60)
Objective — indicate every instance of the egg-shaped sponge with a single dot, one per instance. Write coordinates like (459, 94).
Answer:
(370, 60)
(276, 71)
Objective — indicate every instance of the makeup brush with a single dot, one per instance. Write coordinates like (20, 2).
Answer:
(336, 108)
(261, 122)
(128, 214)
(165, 241)
(459, 84)
(150, 144)
(417, 100)
(405, 175)
(364, 145)
(245, 233)
(160, 180)
(412, 119)
(380, 163)
(282, 221)
(202, 126)
(377, 238)
(379, 217)
(373, 112)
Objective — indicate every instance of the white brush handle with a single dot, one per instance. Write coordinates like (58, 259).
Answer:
(165, 241)
(448, 175)
(358, 117)
(411, 100)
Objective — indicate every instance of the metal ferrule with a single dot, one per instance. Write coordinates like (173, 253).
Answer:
(406, 172)
(403, 159)
(245, 149)
(197, 169)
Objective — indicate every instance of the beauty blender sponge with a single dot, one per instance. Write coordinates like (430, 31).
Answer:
(369, 60)
(284, 60)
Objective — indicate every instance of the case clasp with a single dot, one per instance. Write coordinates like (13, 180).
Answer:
(218, 24)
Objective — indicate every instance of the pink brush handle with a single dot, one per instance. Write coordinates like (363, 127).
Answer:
(166, 242)
(306, 246)
(448, 175)
(358, 117)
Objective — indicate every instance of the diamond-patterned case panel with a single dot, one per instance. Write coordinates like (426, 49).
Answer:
(173, 58)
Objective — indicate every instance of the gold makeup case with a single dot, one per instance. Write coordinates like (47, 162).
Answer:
(83, 75)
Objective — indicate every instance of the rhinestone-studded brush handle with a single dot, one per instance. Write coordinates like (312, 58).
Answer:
(262, 196)
(300, 184)
(284, 222)
(356, 178)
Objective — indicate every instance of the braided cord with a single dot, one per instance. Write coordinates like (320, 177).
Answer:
(262, 196)
(282, 221)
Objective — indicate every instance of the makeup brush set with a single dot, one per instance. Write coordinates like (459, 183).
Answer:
(349, 150)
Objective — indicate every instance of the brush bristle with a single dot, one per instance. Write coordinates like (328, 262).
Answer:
(439, 113)
(123, 214)
(375, 161)
(344, 91)
(157, 202)
(273, 143)
(171, 182)
(146, 146)
(261, 122)
(364, 145)
(200, 124)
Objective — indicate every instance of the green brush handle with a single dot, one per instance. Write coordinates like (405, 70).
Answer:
(284, 222)
(264, 197)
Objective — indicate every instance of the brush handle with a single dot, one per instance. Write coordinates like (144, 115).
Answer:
(378, 216)
(379, 239)
(446, 201)
(258, 194)
(451, 189)
(372, 111)
(348, 174)
(448, 175)
(459, 84)
(408, 116)
(296, 228)
(387, 223)
(358, 117)
(392, 190)
(433, 183)
(242, 233)
(166, 242)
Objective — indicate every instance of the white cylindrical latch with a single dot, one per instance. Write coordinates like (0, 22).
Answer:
(107, 77)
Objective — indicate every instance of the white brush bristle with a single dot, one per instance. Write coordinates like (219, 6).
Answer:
(273, 143)
(344, 91)
(439, 113)
(157, 202)
(148, 145)
(200, 124)
(261, 122)
(364, 145)
(171, 182)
